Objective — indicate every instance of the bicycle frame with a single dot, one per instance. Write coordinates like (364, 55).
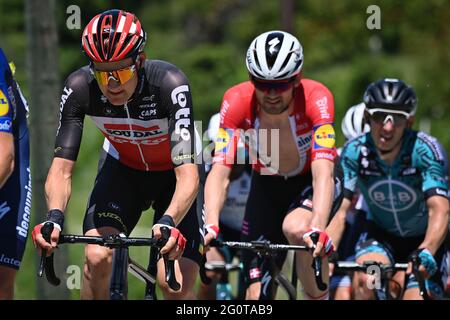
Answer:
(223, 287)
(267, 250)
(386, 273)
(121, 261)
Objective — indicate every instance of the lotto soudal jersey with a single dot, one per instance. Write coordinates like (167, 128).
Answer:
(153, 131)
(311, 123)
(396, 194)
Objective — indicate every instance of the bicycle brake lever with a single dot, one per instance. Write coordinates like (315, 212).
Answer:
(317, 266)
(415, 259)
(47, 262)
(169, 265)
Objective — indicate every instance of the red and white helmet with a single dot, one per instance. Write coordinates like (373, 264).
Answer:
(112, 36)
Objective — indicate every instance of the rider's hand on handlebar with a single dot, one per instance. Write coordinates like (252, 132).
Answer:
(324, 245)
(211, 233)
(39, 241)
(428, 265)
(175, 244)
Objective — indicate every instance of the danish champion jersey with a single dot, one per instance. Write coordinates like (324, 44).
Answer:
(311, 122)
(153, 131)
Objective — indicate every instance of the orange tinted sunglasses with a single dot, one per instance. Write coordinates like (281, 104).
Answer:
(122, 75)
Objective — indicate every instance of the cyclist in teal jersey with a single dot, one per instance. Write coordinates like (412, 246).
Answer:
(400, 172)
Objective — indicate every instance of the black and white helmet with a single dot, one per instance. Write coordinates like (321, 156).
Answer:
(353, 124)
(274, 55)
(391, 94)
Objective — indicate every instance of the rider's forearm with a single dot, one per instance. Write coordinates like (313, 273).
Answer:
(58, 187)
(186, 190)
(337, 226)
(438, 210)
(215, 193)
(323, 186)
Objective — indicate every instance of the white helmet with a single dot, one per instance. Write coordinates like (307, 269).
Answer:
(213, 127)
(353, 123)
(274, 55)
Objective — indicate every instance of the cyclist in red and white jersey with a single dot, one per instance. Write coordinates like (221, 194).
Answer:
(144, 110)
(295, 158)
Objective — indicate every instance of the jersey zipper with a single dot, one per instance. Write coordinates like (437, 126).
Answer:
(394, 211)
(132, 135)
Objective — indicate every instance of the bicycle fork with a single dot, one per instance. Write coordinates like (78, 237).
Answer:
(118, 288)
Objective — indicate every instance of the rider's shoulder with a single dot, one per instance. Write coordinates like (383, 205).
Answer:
(426, 144)
(241, 90)
(79, 79)
(356, 145)
(239, 98)
(159, 71)
(310, 86)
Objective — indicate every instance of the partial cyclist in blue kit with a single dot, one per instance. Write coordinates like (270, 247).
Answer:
(401, 174)
(15, 179)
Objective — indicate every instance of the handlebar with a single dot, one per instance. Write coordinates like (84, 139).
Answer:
(266, 248)
(111, 241)
(353, 266)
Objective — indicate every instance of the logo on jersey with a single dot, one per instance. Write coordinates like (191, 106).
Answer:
(223, 139)
(64, 96)
(324, 137)
(182, 116)
(322, 104)
(392, 195)
(304, 142)
(4, 106)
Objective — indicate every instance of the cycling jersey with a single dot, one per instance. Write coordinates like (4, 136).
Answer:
(15, 195)
(153, 131)
(312, 125)
(396, 195)
(233, 209)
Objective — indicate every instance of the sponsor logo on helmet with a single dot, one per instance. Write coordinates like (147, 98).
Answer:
(182, 116)
(4, 106)
(273, 43)
(324, 137)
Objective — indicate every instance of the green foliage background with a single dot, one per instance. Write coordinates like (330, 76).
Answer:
(208, 40)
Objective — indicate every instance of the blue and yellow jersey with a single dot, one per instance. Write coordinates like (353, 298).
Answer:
(13, 106)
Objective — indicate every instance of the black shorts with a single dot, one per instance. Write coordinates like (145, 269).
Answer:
(270, 199)
(398, 249)
(121, 194)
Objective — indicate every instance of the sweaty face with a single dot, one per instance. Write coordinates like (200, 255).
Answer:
(275, 100)
(113, 89)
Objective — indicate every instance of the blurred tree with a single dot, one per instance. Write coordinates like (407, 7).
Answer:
(43, 75)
